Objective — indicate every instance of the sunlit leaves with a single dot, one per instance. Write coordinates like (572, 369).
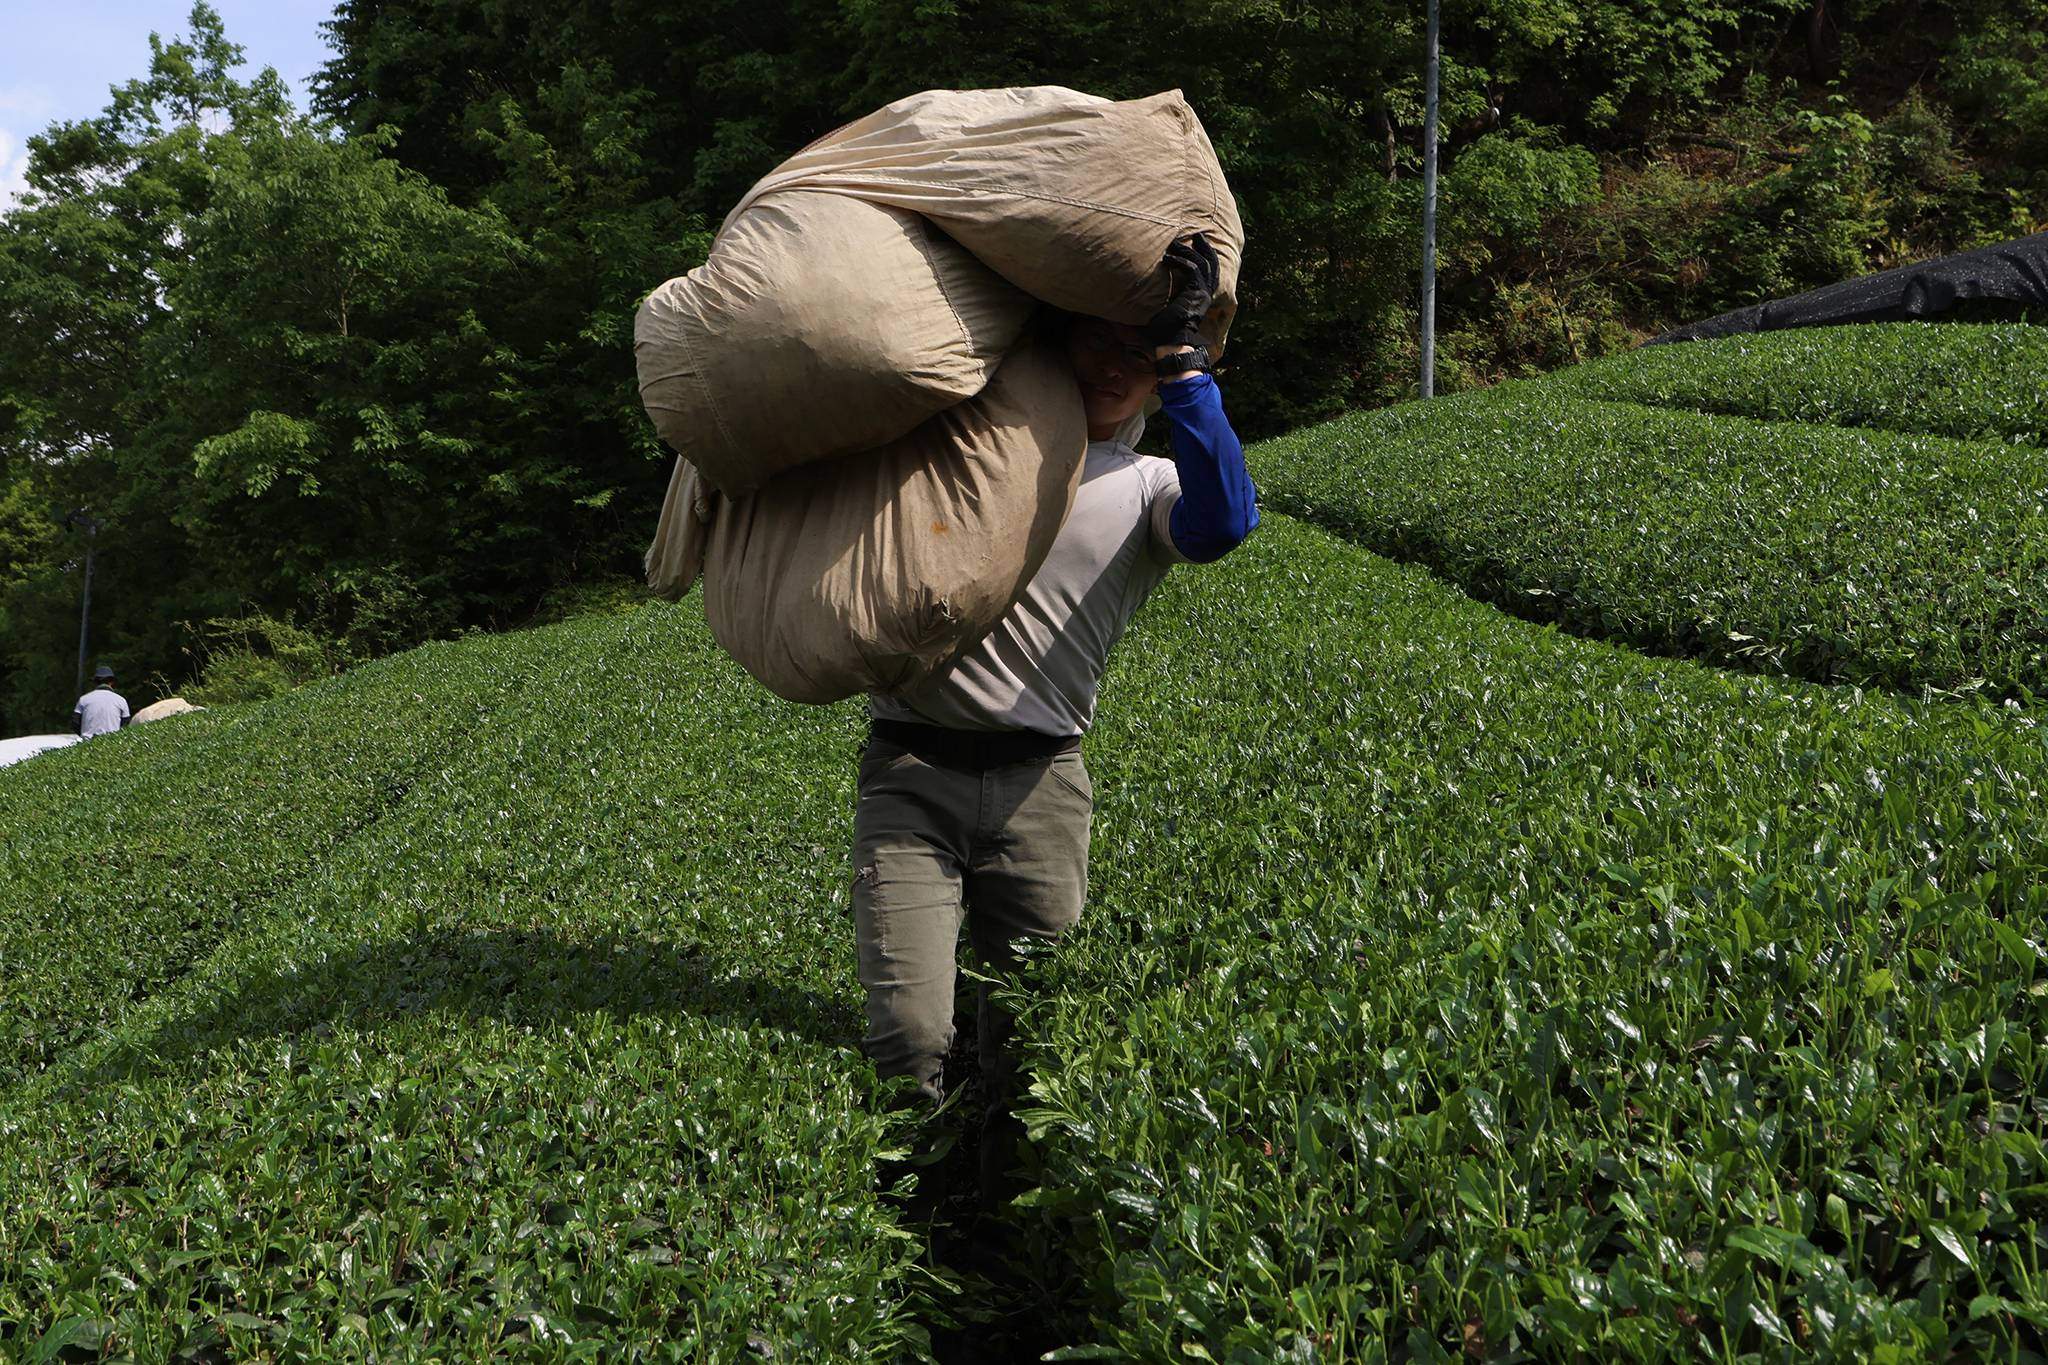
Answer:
(1861, 505)
(1455, 987)
(496, 997)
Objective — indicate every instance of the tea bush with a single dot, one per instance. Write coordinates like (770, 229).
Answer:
(1937, 379)
(1857, 505)
(131, 861)
(1459, 989)
(1450, 987)
(454, 1005)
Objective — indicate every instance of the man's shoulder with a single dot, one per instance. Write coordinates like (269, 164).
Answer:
(1159, 474)
(1115, 455)
(1129, 473)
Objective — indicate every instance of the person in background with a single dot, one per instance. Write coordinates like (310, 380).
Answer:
(102, 710)
(974, 804)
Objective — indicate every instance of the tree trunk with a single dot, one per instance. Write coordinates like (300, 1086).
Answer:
(1823, 42)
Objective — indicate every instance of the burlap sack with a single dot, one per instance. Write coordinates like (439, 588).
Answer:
(821, 325)
(869, 573)
(817, 328)
(169, 706)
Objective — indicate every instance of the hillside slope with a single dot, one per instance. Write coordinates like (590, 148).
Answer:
(1459, 986)
(1448, 982)
(1857, 505)
(495, 994)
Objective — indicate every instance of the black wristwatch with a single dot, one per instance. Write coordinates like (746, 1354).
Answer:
(1194, 360)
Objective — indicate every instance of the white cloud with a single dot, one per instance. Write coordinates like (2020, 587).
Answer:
(13, 168)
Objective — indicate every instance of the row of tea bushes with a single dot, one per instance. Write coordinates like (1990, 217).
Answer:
(1453, 988)
(129, 859)
(1938, 379)
(1831, 553)
(1450, 986)
(551, 1053)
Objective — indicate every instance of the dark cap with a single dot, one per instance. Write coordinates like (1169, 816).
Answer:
(102, 674)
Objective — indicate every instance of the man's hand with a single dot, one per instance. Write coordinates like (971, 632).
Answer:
(1196, 275)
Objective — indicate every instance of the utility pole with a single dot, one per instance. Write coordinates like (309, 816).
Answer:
(84, 521)
(1429, 212)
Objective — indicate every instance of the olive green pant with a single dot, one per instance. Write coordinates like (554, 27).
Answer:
(1005, 850)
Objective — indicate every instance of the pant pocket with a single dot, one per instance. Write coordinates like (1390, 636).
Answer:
(1070, 772)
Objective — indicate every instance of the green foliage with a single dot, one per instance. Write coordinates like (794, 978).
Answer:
(85, 263)
(1923, 174)
(249, 459)
(1972, 383)
(1999, 70)
(253, 658)
(335, 382)
(1821, 532)
(1453, 985)
(1453, 988)
(285, 370)
(583, 599)
(1315, 109)
(447, 1007)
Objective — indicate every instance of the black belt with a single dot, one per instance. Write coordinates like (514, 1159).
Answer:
(972, 750)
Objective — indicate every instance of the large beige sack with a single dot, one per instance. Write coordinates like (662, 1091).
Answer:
(169, 706)
(1071, 197)
(870, 573)
(821, 324)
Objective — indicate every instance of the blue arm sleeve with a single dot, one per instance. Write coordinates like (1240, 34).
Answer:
(1218, 506)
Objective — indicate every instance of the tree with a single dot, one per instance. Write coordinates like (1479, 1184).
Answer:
(340, 415)
(86, 263)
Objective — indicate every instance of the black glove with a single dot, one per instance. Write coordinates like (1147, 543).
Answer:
(1195, 274)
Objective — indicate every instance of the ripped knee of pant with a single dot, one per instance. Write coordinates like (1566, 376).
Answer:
(865, 875)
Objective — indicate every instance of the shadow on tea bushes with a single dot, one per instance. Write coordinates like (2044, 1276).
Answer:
(539, 1041)
(535, 979)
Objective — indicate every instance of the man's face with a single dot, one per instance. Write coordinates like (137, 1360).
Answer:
(1114, 367)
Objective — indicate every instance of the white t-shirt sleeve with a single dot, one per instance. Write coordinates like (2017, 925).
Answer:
(1162, 495)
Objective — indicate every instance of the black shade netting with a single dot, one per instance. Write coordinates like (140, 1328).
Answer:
(1992, 283)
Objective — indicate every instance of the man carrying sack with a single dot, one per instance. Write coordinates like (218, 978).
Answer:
(973, 801)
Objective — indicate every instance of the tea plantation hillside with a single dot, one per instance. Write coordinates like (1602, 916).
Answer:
(1451, 987)
(491, 995)
(1854, 504)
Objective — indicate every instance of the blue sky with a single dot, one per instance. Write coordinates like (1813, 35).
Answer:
(57, 57)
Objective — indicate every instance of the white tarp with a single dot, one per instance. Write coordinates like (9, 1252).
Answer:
(28, 746)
